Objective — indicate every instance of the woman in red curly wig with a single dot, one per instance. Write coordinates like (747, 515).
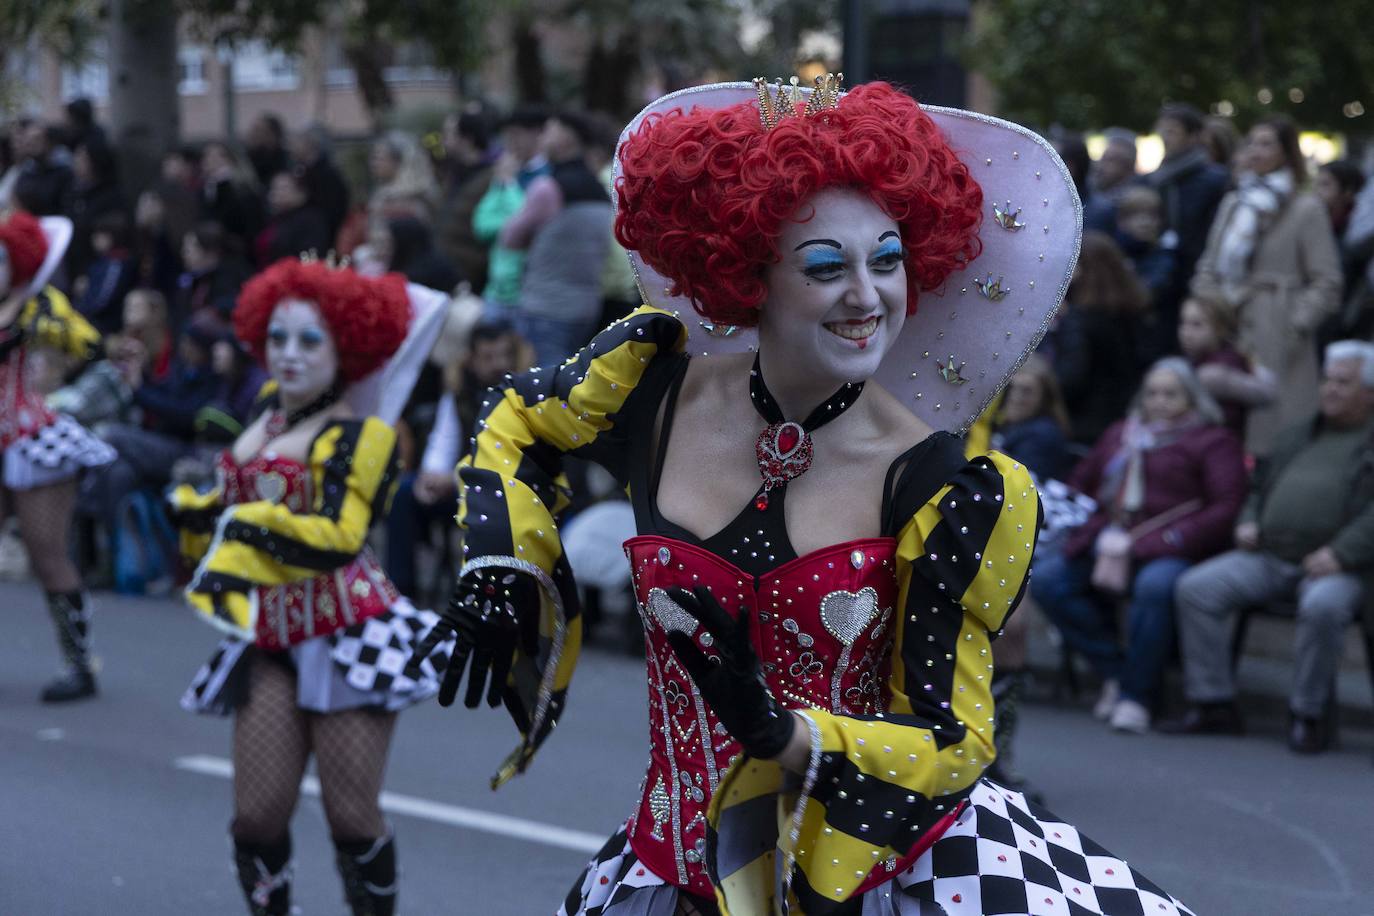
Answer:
(316, 632)
(45, 452)
(819, 569)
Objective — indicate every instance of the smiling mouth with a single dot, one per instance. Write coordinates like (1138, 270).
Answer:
(853, 330)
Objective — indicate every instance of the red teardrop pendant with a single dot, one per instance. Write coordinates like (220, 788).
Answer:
(761, 501)
(789, 434)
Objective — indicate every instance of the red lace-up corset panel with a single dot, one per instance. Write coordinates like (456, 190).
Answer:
(821, 625)
(289, 614)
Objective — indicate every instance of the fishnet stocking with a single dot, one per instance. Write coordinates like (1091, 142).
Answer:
(271, 746)
(350, 754)
(45, 516)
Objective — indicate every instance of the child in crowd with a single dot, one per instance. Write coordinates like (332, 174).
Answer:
(1206, 335)
(1153, 253)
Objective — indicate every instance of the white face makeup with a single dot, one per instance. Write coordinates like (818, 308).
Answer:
(837, 298)
(300, 352)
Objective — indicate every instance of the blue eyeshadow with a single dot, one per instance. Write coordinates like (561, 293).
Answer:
(816, 259)
(890, 247)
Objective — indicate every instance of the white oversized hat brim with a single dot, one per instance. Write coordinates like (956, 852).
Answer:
(967, 338)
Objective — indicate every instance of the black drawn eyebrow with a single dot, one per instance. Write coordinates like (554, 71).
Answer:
(831, 242)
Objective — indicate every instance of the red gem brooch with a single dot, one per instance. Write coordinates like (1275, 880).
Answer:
(784, 452)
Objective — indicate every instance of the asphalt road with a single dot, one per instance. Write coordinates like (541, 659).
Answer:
(121, 805)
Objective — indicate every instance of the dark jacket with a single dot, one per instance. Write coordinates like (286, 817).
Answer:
(1038, 443)
(170, 404)
(1096, 355)
(1207, 464)
(413, 254)
(85, 206)
(217, 288)
(1192, 187)
(453, 224)
(42, 188)
(108, 280)
(234, 206)
(293, 233)
(326, 189)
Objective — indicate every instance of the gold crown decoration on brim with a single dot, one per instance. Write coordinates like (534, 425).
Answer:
(785, 101)
(333, 260)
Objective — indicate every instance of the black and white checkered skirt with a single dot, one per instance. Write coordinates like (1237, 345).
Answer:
(55, 453)
(360, 666)
(1004, 855)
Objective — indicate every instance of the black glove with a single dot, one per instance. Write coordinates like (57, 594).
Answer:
(733, 686)
(492, 612)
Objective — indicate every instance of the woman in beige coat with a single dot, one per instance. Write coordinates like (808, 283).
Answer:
(1272, 256)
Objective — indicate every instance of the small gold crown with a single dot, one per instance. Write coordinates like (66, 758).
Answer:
(784, 101)
(992, 289)
(1007, 218)
(333, 260)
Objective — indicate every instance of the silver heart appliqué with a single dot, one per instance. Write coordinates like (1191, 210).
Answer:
(846, 614)
(669, 613)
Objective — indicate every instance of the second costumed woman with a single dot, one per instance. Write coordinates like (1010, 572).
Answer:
(819, 570)
(318, 636)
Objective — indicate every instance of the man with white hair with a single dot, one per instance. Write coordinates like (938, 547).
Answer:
(1306, 535)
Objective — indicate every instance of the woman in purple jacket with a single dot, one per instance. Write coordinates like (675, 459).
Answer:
(1169, 481)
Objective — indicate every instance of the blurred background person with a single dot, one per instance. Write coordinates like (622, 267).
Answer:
(95, 192)
(111, 272)
(403, 182)
(265, 146)
(1110, 176)
(1153, 253)
(1095, 344)
(295, 226)
(44, 179)
(520, 162)
(1272, 256)
(1207, 335)
(564, 226)
(1032, 425)
(214, 273)
(467, 174)
(1169, 481)
(325, 185)
(406, 245)
(1190, 183)
(229, 195)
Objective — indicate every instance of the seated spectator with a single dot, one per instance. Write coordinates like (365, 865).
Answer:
(214, 273)
(1306, 535)
(1153, 254)
(111, 273)
(1095, 343)
(1032, 425)
(169, 392)
(1206, 335)
(406, 245)
(295, 225)
(430, 494)
(1168, 480)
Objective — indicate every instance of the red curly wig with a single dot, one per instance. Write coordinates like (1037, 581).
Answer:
(368, 316)
(26, 245)
(703, 196)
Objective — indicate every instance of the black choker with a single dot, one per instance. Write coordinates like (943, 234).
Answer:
(280, 421)
(784, 448)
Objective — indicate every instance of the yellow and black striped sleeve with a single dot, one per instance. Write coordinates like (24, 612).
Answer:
(194, 515)
(877, 784)
(49, 320)
(353, 466)
(512, 489)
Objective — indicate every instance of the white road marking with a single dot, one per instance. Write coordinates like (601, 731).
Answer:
(453, 815)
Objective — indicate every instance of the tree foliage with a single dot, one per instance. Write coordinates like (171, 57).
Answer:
(1091, 63)
(66, 27)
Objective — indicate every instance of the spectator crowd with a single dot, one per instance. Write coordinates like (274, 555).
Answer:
(1205, 395)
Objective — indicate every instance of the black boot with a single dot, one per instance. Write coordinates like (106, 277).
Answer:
(264, 871)
(368, 869)
(71, 617)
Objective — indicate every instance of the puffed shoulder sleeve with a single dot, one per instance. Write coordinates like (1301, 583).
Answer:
(881, 788)
(353, 468)
(49, 320)
(194, 514)
(512, 488)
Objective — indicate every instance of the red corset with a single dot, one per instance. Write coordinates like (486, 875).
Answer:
(293, 613)
(821, 627)
(22, 413)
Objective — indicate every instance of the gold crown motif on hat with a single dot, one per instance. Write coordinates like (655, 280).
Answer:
(784, 101)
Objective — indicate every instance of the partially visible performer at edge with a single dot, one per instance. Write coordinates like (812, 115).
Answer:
(318, 635)
(45, 452)
(818, 568)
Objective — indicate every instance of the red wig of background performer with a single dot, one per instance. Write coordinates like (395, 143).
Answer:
(368, 316)
(703, 196)
(26, 246)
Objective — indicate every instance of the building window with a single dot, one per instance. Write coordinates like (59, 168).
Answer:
(258, 66)
(191, 70)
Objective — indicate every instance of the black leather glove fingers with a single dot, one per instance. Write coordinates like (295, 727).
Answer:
(733, 686)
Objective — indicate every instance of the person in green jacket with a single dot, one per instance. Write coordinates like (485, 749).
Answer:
(518, 165)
